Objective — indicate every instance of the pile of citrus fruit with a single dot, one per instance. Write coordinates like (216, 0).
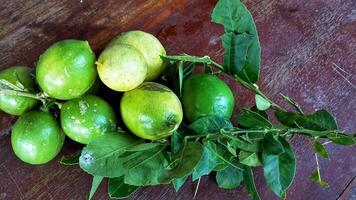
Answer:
(58, 99)
(146, 118)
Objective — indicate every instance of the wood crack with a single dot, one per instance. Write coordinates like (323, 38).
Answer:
(346, 187)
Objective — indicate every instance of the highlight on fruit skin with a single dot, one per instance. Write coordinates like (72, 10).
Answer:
(150, 47)
(151, 111)
(121, 67)
(19, 76)
(66, 70)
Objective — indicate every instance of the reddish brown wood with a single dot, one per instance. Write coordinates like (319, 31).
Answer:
(350, 192)
(301, 42)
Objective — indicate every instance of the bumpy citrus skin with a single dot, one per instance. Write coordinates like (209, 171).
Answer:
(206, 94)
(17, 105)
(36, 137)
(150, 47)
(151, 111)
(66, 70)
(121, 67)
(87, 117)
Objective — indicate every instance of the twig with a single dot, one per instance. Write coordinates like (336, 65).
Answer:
(317, 167)
(196, 189)
(325, 143)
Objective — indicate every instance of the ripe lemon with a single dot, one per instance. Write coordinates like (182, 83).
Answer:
(150, 47)
(121, 67)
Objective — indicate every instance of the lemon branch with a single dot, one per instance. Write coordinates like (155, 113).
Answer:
(7, 88)
(206, 60)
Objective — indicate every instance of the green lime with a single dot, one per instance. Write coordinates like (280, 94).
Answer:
(150, 47)
(206, 94)
(87, 117)
(151, 111)
(121, 67)
(20, 77)
(36, 137)
(66, 70)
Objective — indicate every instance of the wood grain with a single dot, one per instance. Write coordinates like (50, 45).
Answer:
(304, 45)
(350, 192)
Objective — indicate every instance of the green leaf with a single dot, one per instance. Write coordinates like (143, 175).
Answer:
(188, 70)
(236, 55)
(262, 103)
(230, 177)
(250, 182)
(101, 156)
(248, 141)
(320, 149)
(19, 85)
(324, 184)
(136, 159)
(242, 56)
(232, 148)
(210, 124)
(234, 16)
(250, 119)
(178, 183)
(279, 170)
(320, 120)
(186, 159)
(223, 154)
(94, 185)
(254, 146)
(249, 158)
(242, 48)
(177, 140)
(149, 172)
(315, 177)
(228, 42)
(253, 136)
(261, 112)
(70, 160)
(117, 189)
(342, 139)
(207, 163)
(271, 145)
(143, 147)
(247, 57)
(5, 84)
(180, 72)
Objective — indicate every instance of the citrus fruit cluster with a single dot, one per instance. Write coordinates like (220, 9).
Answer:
(157, 144)
(68, 75)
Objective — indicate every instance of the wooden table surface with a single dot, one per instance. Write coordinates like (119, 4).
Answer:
(308, 53)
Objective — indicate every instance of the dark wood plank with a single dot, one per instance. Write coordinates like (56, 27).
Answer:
(350, 192)
(301, 41)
